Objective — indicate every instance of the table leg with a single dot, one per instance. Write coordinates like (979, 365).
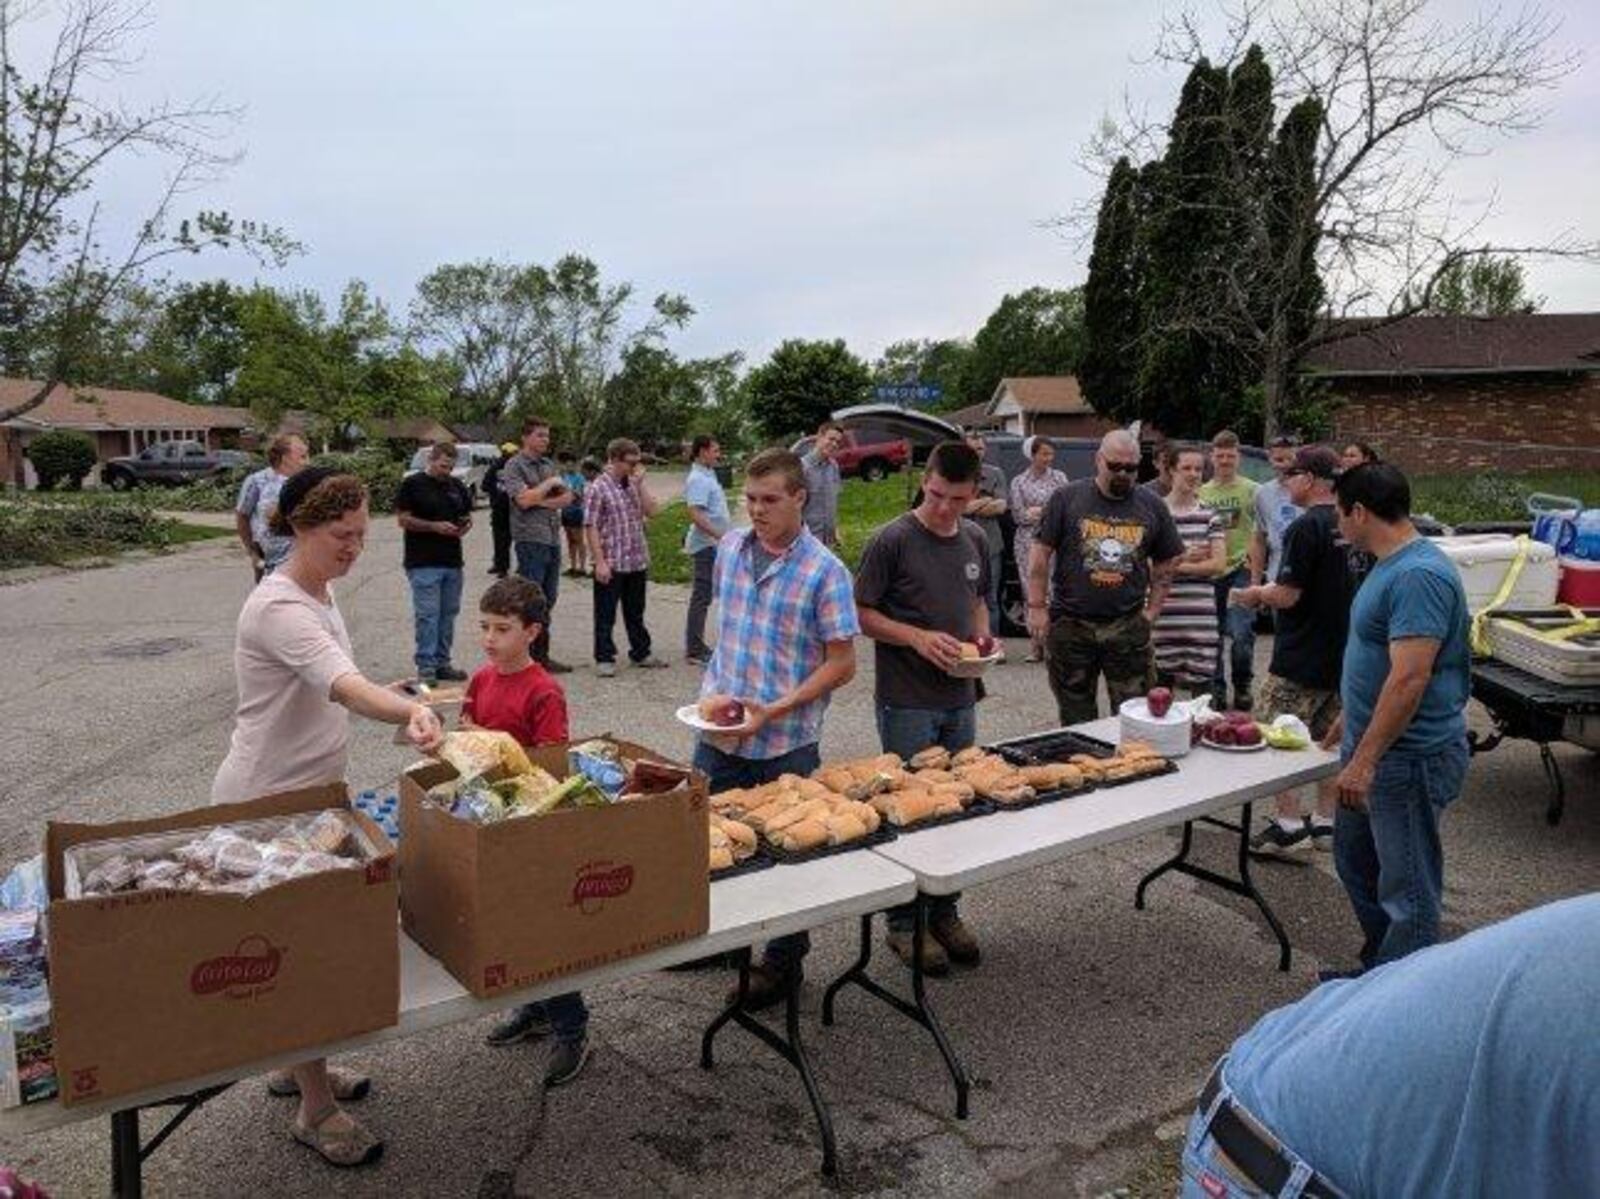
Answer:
(1558, 785)
(1243, 885)
(127, 1170)
(917, 1010)
(789, 1047)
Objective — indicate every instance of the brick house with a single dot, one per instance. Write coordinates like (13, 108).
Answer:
(119, 422)
(1439, 394)
(1052, 405)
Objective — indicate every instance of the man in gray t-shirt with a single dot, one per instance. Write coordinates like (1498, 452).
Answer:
(532, 483)
(822, 485)
(1114, 547)
(920, 593)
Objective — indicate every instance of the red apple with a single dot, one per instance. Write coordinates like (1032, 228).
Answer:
(1237, 718)
(986, 645)
(1247, 734)
(723, 711)
(1159, 701)
(1222, 734)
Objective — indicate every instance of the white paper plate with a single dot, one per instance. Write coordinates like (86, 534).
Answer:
(1235, 749)
(972, 668)
(689, 714)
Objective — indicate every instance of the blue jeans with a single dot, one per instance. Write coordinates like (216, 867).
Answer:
(1389, 857)
(724, 772)
(907, 731)
(568, 1015)
(435, 604)
(540, 563)
(1238, 648)
(1207, 1174)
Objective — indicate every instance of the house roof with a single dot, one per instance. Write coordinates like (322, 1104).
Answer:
(1465, 345)
(92, 408)
(972, 416)
(409, 428)
(1043, 393)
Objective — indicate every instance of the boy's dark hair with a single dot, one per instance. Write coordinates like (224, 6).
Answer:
(1225, 440)
(778, 461)
(532, 423)
(829, 426)
(955, 462)
(1378, 487)
(515, 596)
(701, 443)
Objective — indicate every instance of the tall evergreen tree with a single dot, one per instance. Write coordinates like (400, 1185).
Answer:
(1108, 372)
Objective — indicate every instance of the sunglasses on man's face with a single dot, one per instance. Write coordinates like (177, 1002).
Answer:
(1123, 468)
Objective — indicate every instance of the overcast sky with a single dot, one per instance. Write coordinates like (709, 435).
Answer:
(865, 169)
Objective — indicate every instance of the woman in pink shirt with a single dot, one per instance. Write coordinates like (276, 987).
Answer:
(297, 685)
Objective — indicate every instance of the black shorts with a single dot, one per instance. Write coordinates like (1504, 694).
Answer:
(572, 518)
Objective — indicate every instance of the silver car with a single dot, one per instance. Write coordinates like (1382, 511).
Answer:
(473, 460)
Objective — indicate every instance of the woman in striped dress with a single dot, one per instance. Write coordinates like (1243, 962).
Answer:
(1030, 492)
(1185, 635)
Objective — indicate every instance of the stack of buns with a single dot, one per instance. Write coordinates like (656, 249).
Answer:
(794, 814)
(1133, 759)
(732, 841)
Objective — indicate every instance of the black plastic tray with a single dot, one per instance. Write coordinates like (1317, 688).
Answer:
(884, 834)
(760, 860)
(1045, 797)
(978, 807)
(1060, 746)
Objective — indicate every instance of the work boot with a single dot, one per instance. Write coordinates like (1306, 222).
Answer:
(523, 1024)
(449, 674)
(957, 939)
(769, 983)
(935, 962)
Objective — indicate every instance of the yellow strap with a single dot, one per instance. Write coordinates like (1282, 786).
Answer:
(1480, 619)
(1582, 625)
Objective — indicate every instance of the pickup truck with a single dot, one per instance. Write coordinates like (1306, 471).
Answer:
(870, 460)
(168, 462)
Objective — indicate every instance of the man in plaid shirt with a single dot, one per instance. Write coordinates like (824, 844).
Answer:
(785, 624)
(615, 506)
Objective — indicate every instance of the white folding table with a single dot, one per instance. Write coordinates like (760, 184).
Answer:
(953, 857)
(745, 910)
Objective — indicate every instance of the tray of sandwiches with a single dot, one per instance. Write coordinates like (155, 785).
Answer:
(799, 819)
(1100, 762)
(735, 848)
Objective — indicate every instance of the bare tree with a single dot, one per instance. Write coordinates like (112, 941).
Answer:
(58, 136)
(1403, 97)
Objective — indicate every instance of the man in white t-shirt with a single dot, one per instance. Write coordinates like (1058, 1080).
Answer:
(258, 500)
(1275, 511)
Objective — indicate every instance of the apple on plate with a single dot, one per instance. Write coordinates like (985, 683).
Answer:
(986, 645)
(1223, 733)
(722, 710)
(1247, 734)
(1159, 701)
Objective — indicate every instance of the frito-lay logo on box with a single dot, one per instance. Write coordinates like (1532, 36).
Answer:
(248, 970)
(378, 872)
(86, 1081)
(598, 882)
(495, 975)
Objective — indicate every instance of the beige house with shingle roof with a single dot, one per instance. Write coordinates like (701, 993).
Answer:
(119, 422)
(1052, 405)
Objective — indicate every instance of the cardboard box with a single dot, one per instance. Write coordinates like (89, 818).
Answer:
(153, 987)
(507, 905)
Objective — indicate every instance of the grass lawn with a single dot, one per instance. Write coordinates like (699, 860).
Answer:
(182, 533)
(1455, 499)
(863, 509)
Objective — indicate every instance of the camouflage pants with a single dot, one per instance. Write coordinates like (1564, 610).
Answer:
(1080, 651)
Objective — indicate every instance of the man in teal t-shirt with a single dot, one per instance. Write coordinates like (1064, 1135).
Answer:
(1403, 738)
(1232, 497)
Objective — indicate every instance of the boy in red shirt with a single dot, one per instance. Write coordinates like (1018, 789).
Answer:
(514, 694)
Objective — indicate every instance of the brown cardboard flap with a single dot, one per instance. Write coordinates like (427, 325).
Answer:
(60, 836)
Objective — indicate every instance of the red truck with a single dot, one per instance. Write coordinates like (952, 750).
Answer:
(870, 460)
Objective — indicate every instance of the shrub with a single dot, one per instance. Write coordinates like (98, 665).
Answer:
(377, 470)
(41, 530)
(62, 456)
(216, 494)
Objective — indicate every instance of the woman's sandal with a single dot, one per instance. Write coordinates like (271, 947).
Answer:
(347, 1086)
(350, 1146)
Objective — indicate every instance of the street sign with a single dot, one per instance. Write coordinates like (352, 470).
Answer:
(909, 393)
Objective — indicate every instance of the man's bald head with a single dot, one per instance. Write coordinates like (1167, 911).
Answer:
(1117, 463)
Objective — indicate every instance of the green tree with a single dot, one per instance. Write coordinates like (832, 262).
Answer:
(1113, 301)
(58, 138)
(945, 363)
(1485, 286)
(802, 383)
(1035, 332)
(490, 317)
(197, 346)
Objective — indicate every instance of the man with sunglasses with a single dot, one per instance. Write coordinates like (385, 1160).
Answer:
(1114, 546)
